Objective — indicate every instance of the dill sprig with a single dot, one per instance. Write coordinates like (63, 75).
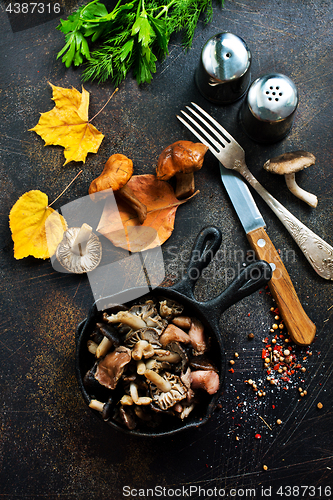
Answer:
(131, 37)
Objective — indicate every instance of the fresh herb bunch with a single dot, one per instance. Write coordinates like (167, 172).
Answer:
(133, 36)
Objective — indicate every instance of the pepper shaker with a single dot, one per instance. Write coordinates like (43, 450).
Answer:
(223, 74)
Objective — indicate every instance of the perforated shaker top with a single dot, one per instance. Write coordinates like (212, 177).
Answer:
(272, 97)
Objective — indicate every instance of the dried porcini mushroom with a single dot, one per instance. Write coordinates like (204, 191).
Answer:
(116, 173)
(181, 159)
(288, 164)
(80, 250)
(155, 373)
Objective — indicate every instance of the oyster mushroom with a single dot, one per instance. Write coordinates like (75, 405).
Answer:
(127, 416)
(167, 399)
(197, 336)
(176, 349)
(116, 173)
(184, 322)
(148, 313)
(104, 408)
(205, 379)
(80, 250)
(127, 318)
(202, 363)
(160, 382)
(110, 369)
(174, 334)
(110, 339)
(89, 380)
(288, 164)
(182, 159)
(137, 351)
(170, 308)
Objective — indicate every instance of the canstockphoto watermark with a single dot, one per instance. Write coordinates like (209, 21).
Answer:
(187, 492)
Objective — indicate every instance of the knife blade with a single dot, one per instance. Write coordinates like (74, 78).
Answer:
(300, 327)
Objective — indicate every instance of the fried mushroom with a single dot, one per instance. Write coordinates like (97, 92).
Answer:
(167, 399)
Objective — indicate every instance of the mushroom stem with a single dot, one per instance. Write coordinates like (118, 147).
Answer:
(309, 198)
(96, 405)
(102, 348)
(141, 210)
(185, 185)
(126, 400)
(160, 382)
(137, 351)
(80, 242)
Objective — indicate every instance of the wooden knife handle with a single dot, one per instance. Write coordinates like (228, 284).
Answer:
(299, 326)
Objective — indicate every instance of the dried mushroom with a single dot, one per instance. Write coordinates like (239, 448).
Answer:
(205, 379)
(149, 373)
(110, 368)
(116, 173)
(181, 159)
(165, 399)
(170, 308)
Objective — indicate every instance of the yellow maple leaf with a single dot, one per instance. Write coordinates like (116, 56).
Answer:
(67, 124)
(36, 228)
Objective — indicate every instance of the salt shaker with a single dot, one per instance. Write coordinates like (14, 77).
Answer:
(267, 113)
(223, 74)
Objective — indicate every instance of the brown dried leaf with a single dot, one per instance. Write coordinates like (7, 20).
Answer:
(124, 230)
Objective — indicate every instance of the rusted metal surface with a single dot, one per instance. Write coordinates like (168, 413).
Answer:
(50, 444)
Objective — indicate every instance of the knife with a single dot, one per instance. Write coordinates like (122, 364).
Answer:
(300, 327)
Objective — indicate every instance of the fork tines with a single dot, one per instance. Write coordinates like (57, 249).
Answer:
(221, 137)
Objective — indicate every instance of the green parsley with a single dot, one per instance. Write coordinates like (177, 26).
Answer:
(130, 37)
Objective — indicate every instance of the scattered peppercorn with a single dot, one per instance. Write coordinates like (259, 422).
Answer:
(251, 336)
(320, 406)
(279, 422)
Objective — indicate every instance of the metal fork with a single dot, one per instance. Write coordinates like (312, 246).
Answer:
(232, 156)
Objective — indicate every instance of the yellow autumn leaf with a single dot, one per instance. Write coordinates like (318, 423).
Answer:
(36, 228)
(67, 124)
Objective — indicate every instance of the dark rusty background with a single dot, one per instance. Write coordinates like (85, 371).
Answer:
(50, 444)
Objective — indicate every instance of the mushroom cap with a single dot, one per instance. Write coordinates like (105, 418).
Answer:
(180, 157)
(74, 263)
(116, 173)
(289, 163)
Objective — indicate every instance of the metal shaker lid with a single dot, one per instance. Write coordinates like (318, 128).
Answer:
(223, 74)
(226, 57)
(272, 97)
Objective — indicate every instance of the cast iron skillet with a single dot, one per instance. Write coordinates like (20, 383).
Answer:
(250, 279)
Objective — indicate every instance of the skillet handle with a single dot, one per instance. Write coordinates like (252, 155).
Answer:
(204, 248)
(253, 277)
